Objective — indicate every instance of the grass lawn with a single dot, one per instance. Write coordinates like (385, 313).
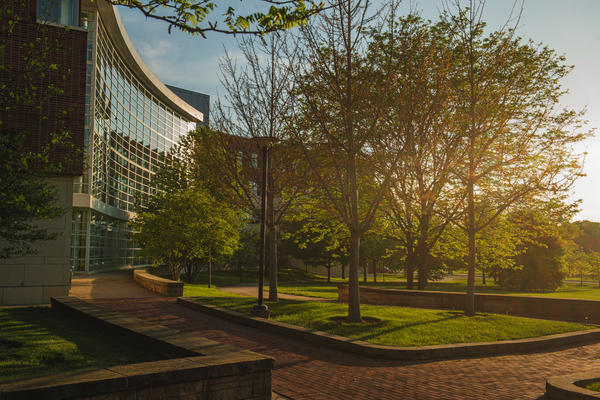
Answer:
(329, 290)
(39, 341)
(593, 386)
(398, 326)
(297, 282)
(568, 290)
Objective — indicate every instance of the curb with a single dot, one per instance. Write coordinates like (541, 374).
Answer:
(421, 353)
(566, 387)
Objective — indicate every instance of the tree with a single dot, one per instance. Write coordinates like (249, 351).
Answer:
(375, 247)
(30, 79)
(422, 200)
(189, 228)
(258, 98)
(192, 16)
(539, 257)
(518, 143)
(594, 260)
(313, 237)
(339, 125)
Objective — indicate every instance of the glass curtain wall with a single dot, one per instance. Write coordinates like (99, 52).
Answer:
(132, 132)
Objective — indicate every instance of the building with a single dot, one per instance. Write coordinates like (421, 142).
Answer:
(122, 118)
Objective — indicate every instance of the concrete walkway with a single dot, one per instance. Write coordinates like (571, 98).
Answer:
(107, 285)
(252, 291)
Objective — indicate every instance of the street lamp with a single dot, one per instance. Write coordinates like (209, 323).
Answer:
(265, 143)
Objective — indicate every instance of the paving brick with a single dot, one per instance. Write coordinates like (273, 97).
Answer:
(308, 371)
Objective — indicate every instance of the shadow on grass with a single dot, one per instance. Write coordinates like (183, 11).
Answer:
(44, 342)
(453, 315)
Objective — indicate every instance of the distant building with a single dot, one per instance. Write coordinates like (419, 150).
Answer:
(123, 118)
(199, 101)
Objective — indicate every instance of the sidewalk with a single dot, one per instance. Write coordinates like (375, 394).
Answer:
(252, 291)
(107, 285)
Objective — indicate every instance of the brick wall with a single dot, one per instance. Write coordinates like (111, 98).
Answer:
(36, 57)
(575, 310)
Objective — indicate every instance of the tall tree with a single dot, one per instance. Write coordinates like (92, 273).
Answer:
(518, 142)
(339, 125)
(257, 101)
(422, 199)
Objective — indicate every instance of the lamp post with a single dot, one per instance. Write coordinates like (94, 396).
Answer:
(265, 144)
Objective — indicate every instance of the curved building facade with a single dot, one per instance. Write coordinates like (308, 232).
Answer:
(132, 120)
(121, 118)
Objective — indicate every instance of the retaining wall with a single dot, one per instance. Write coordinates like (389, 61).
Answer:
(198, 368)
(162, 286)
(562, 309)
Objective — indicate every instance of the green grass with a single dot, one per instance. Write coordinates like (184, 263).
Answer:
(593, 386)
(591, 292)
(323, 290)
(39, 341)
(398, 326)
(329, 291)
(298, 282)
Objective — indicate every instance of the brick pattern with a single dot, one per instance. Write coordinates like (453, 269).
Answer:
(46, 113)
(306, 371)
(162, 286)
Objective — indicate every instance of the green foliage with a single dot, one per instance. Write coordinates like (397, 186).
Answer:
(187, 229)
(538, 256)
(310, 235)
(26, 196)
(192, 16)
(588, 236)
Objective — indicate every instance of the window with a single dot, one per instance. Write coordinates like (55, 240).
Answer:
(64, 12)
(254, 160)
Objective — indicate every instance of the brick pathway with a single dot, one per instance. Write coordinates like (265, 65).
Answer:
(107, 285)
(305, 371)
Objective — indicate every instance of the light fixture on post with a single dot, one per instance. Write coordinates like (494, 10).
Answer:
(265, 143)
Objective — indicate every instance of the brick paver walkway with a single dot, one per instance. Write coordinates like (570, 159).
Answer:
(305, 371)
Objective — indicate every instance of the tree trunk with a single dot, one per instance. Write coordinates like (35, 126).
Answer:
(422, 276)
(409, 277)
(344, 272)
(374, 272)
(273, 269)
(329, 272)
(353, 292)
(483, 277)
(209, 265)
(365, 272)
(470, 297)
(410, 269)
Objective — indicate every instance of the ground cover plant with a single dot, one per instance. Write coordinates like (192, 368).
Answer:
(396, 326)
(39, 341)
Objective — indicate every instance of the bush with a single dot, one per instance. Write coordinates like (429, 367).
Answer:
(538, 268)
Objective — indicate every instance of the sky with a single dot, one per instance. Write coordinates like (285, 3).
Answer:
(569, 27)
